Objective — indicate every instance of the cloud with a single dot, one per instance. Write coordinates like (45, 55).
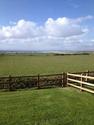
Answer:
(53, 34)
(63, 27)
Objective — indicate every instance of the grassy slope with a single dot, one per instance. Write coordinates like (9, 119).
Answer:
(47, 107)
(27, 65)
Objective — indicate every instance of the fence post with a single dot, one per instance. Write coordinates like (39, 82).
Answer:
(81, 83)
(64, 79)
(87, 74)
(38, 82)
(10, 83)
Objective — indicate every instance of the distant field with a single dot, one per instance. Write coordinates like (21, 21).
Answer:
(42, 64)
(59, 106)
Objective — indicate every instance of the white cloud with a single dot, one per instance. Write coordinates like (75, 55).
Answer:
(53, 34)
(63, 27)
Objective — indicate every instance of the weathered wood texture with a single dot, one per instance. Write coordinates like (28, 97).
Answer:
(38, 81)
(49, 80)
(80, 81)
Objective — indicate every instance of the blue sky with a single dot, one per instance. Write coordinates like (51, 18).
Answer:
(46, 24)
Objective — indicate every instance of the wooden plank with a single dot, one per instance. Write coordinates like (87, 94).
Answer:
(64, 79)
(73, 80)
(74, 85)
(38, 81)
(41, 75)
(81, 82)
(83, 72)
(87, 77)
(85, 89)
(44, 75)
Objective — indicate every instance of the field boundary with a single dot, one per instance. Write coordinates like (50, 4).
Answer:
(81, 80)
(37, 81)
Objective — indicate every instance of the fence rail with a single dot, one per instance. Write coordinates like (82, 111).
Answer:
(38, 81)
(81, 82)
(80, 76)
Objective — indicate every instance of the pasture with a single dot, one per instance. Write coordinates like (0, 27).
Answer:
(44, 64)
(57, 106)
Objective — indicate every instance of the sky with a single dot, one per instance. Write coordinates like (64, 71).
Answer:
(35, 25)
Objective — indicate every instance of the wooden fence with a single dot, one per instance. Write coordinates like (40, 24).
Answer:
(37, 81)
(80, 81)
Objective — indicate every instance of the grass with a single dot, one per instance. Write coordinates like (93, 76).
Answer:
(57, 106)
(28, 65)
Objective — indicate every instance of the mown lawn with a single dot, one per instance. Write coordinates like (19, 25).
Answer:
(58, 106)
(42, 64)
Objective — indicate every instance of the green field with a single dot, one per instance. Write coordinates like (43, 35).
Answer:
(58, 106)
(43, 64)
